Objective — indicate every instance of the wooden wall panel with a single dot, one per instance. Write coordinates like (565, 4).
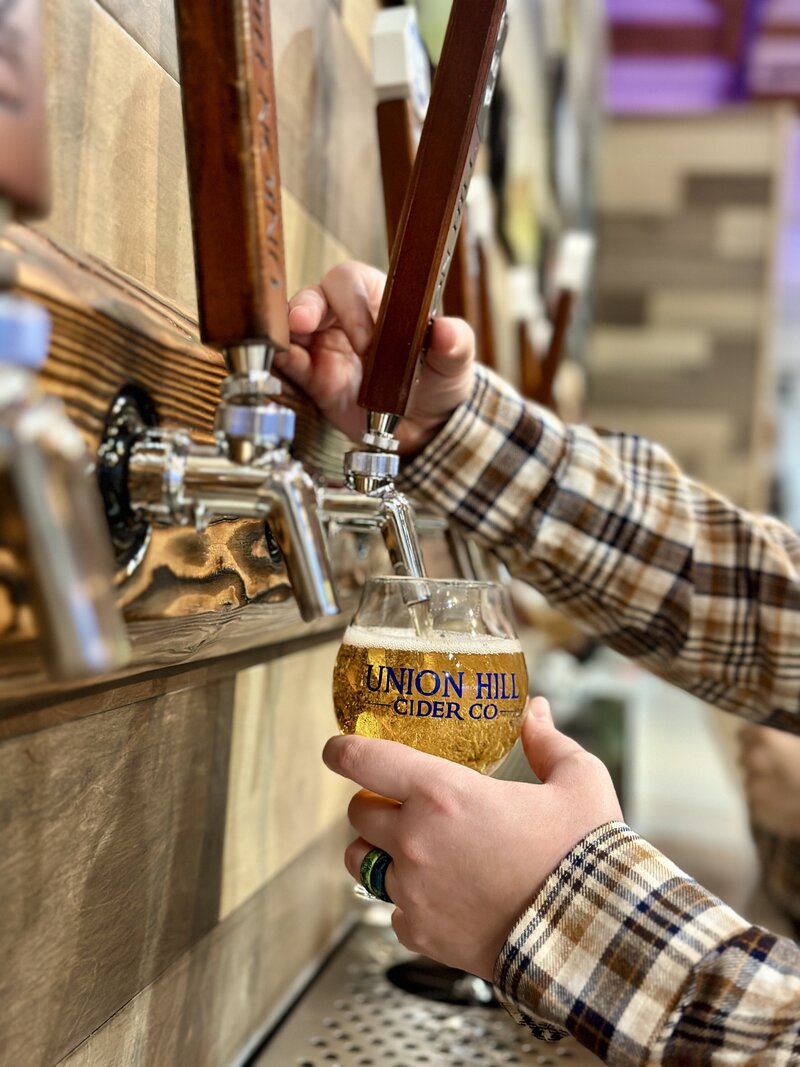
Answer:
(208, 1006)
(112, 834)
(269, 816)
(116, 134)
(128, 834)
(151, 23)
(116, 130)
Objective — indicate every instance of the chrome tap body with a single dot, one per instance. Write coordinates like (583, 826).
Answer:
(51, 515)
(371, 500)
(248, 473)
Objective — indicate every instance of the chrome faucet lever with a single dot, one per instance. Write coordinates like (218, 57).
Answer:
(51, 515)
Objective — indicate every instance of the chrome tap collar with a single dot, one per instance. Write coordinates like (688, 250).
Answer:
(254, 356)
(250, 387)
(261, 425)
(369, 472)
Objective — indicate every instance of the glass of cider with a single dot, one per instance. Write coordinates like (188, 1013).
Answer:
(435, 664)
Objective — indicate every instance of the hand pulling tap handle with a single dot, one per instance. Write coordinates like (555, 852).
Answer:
(422, 254)
(228, 91)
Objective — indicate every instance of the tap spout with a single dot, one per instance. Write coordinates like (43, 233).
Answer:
(385, 510)
(293, 519)
(52, 519)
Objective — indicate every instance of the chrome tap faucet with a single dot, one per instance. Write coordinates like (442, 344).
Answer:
(371, 501)
(50, 514)
(248, 473)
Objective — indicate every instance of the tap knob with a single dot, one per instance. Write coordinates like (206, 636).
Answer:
(52, 518)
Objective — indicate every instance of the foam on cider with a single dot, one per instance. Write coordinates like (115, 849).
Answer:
(444, 641)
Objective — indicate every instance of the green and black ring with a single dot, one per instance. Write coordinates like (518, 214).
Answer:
(373, 873)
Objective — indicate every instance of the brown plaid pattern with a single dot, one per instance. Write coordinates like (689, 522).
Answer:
(643, 966)
(620, 948)
(611, 531)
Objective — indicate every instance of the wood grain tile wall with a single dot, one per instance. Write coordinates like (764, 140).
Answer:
(170, 847)
(681, 351)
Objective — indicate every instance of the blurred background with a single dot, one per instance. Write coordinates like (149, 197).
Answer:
(669, 133)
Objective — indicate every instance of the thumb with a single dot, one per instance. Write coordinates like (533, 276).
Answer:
(451, 347)
(544, 746)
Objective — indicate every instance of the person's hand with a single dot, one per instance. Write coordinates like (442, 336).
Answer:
(469, 853)
(771, 763)
(332, 325)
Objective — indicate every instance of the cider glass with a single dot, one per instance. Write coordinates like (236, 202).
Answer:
(435, 664)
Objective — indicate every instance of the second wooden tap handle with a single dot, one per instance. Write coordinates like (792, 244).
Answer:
(228, 90)
(421, 255)
(23, 150)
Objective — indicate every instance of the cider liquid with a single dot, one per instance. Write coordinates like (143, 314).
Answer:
(454, 695)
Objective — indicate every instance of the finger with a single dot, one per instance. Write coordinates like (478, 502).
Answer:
(309, 312)
(354, 856)
(353, 293)
(374, 817)
(546, 749)
(451, 347)
(385, 767)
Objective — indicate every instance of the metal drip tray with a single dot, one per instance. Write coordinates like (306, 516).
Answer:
(353, 1016)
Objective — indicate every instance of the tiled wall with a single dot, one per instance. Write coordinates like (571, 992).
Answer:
(681, 349)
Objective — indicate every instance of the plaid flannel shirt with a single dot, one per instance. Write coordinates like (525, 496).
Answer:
(619, 947)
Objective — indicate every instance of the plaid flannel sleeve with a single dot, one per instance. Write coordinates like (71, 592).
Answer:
(610, 530)
(643, 966)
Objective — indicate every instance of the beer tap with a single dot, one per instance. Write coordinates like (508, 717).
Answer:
(228, 97)
(51, 516)
(421, 257)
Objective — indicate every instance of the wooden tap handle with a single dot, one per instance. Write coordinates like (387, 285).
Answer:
(421, 256)
(23, 149)
(228, 92)
(397, 144)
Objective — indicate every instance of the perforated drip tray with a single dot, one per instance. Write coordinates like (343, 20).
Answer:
(352, 1015)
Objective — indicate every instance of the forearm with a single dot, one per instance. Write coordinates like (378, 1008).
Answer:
(644, 966)
(611, 532)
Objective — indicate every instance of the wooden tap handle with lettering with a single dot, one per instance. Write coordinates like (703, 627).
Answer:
(23, 149)
(434, 204)
(228, 91)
